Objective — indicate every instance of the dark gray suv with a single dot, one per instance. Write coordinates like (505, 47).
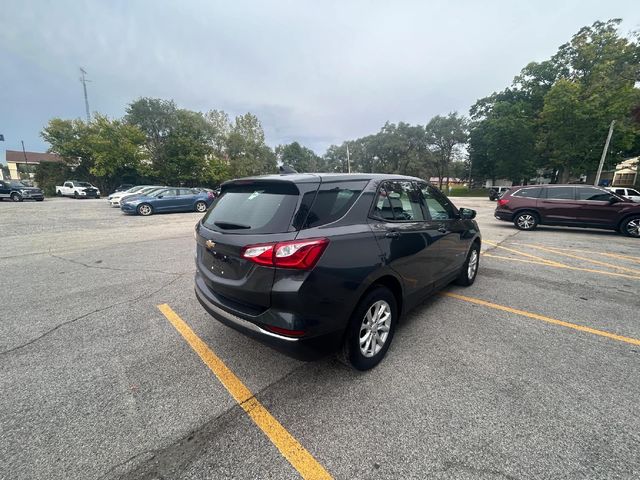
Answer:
(313, 262)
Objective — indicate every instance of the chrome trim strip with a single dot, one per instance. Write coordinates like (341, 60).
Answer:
(240, 321)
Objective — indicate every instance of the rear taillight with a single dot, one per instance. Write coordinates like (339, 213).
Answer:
(298, 254)
(502, 202)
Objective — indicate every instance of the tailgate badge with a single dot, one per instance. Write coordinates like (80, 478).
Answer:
(210, 244)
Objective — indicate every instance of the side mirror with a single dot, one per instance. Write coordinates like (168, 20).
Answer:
(467, 213)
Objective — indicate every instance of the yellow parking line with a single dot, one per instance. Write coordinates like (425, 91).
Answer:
(566, 267)
(629, 258)
(518, 252)
(289, 447)
(578, 257)
(574, 326)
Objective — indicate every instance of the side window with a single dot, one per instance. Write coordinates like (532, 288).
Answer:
(594, 194)
(398, 201)
(68, 184)
(620, 191)
(533, 192)
(332, 202)
(631, 191)
(560, 193)
(170, 192)
(437, 204)
(185, 191)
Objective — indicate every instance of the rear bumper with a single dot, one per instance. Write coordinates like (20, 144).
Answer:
(303, 348)
(503, 215)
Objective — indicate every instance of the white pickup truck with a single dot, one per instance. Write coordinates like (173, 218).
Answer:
(76, 189)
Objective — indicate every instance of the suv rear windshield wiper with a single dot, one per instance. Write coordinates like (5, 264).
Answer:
(231, 226)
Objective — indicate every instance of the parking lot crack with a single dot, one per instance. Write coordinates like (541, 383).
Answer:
(177, 276)
(115, 269)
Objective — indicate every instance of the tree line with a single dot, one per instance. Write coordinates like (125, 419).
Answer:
(553, 117)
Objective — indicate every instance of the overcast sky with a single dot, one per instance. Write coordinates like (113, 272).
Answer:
(317, 71)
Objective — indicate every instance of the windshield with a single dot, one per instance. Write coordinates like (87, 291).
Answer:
(83, 184)
(16, 183)
(134, 189)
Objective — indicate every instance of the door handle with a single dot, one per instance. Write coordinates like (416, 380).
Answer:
(392, 234)
(442, 229)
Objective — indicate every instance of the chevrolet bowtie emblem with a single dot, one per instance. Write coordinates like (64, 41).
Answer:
(210, 244)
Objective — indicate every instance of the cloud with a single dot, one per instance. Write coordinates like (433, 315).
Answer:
(316, 72)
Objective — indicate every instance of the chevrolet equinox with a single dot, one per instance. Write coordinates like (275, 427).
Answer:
(314, 262)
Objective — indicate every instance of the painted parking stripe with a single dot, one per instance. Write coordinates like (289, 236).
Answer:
(524, 254)
(566, 267)
(554, 321)
(584, 259)
(289, 447)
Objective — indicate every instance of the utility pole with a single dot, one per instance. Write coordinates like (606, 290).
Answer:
(348, 160)
(604, 153)
(86, 98)
(26, 162)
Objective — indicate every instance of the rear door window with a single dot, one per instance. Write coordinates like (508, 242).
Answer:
(632, 192)
(332, 202)
(560, 193)
(254, 207)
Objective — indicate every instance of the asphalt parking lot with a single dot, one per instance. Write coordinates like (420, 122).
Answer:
(533, 372)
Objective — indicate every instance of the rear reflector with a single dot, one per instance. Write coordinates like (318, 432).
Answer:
(297, 254)
(502, 202)
(285, 331)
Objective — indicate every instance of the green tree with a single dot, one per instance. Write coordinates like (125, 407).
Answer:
(302, 159)
(156, 118)
(246, 150)
(445, 136)
(102, 151)
(50, 174)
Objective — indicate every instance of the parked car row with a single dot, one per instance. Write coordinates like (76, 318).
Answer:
(569, 205)
(149, 200)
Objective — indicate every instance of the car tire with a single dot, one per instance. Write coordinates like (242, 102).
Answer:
(16, 197)
(39, 199)
(526, 221)
(201, 207)
(631, 226)
(58, 193)
(75, 195)
(376, 315)
(469, 270)
(144, 209)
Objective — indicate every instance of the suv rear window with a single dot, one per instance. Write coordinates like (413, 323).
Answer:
(255, 207)
(332, 202)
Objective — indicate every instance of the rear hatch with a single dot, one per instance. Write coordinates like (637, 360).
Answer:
(247, 212)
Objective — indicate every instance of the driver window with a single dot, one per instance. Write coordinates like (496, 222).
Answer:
(437, 204)
(398, 201)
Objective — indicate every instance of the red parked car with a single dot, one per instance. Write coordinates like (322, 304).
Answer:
(569, 205)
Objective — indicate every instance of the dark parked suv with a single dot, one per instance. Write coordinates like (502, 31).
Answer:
(311, 262)
(571, 206)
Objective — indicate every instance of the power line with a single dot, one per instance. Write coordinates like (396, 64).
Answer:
(86, 98)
